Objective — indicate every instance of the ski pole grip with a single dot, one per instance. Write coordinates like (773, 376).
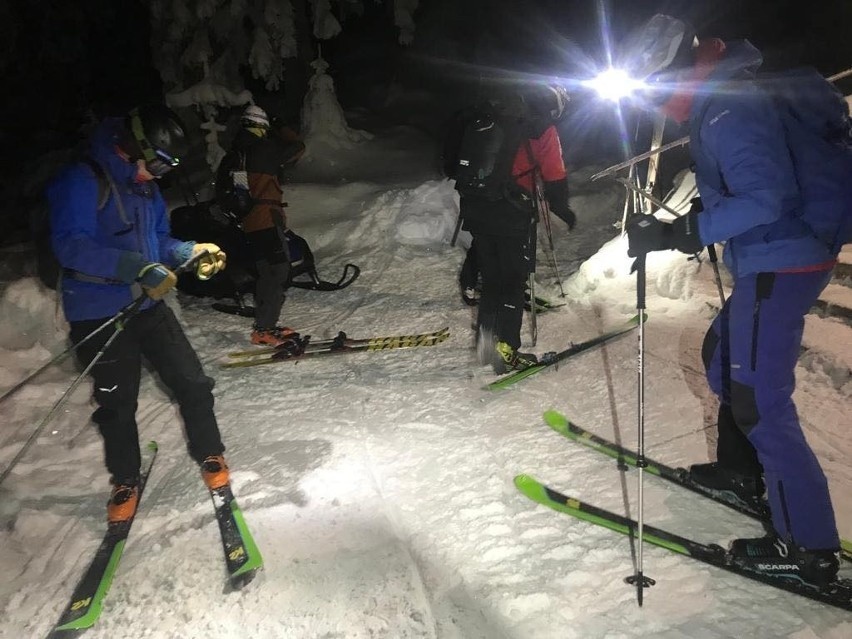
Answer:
(639, 267)
(192, 262)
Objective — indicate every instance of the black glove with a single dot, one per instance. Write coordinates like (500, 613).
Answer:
(696, 205)
(684, 236)
(557, 197)
(645, 234)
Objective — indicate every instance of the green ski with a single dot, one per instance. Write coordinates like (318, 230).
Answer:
(86, 603)
(553, 359)
(837, 594)
(680, 476)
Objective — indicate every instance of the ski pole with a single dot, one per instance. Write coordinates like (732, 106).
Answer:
(638, 158)
(679, 142)
(119, 326)
(711, 250)
(121, 315)
(458, 228)
(119, 321)
(544, 213)
(532, 251)
(638, 578)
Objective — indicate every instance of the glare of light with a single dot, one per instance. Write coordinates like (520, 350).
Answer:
(613, 84)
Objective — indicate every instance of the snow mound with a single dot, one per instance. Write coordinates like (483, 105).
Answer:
(429, 216)
(30, 314)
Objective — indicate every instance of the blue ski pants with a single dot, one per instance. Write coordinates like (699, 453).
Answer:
(754, 345)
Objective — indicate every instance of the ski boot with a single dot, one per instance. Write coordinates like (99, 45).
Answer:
(123, 500)
(277, 336)
(511, 359)
(748, 488)
(214, 472)
(772, 556)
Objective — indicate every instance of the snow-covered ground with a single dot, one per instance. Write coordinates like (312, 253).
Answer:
(379, 485)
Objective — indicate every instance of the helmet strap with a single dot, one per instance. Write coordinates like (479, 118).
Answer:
(139, 135)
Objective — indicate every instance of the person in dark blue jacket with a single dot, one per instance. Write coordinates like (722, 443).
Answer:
(112, 254)
(751, 201)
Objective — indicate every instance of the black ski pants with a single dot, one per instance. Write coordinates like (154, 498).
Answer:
(469, 273)
(156, 335)
(505, 266)
(272, 259)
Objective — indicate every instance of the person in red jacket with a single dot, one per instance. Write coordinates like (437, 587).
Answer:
(503, 229)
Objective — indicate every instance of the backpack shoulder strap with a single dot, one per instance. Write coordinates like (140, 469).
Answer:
(106, 186)
(101, 177)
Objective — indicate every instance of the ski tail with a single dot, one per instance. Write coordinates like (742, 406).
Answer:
(242, 556)
(87, 600)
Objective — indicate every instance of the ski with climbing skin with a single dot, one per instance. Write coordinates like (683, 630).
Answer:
(242, 557)
(837, 594)
(679, 476)
(86, 603)
(304, 348)
(549, 360)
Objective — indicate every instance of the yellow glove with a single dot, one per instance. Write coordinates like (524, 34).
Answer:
(156, 280)
(211, 263)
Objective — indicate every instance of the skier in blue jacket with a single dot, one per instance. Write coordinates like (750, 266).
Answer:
(751, 201)
(110, 254)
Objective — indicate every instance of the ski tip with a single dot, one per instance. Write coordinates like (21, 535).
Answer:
(153, 446)
(555, 418)
(524, 481)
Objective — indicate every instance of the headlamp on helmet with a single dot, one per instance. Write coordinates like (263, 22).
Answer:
(159, 134)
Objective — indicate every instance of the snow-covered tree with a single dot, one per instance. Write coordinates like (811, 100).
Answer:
(323, 122)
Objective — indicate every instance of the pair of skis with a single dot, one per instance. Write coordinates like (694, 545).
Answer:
(242, 557)
(304, 348)
(837, 594)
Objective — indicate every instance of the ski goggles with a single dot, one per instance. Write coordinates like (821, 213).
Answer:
(157, 161)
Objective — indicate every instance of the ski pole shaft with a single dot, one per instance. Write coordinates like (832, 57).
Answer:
(118, 320)
(679, 142)
(638, 578)
(122, 315)
(61, 401)
(544, 214)
(533, 314)
(457, 229)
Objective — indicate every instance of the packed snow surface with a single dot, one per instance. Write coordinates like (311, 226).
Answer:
(379, 485)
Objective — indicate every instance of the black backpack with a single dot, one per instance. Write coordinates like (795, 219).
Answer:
(232, 189)
(48, 267)
(481, 161)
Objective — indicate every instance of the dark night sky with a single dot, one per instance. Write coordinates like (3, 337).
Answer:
(62, 58)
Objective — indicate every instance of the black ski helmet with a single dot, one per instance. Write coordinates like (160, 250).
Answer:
(159, 137)
(548, 101)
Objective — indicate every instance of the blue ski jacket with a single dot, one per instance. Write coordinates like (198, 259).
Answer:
(745, 174)
(102, 251)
